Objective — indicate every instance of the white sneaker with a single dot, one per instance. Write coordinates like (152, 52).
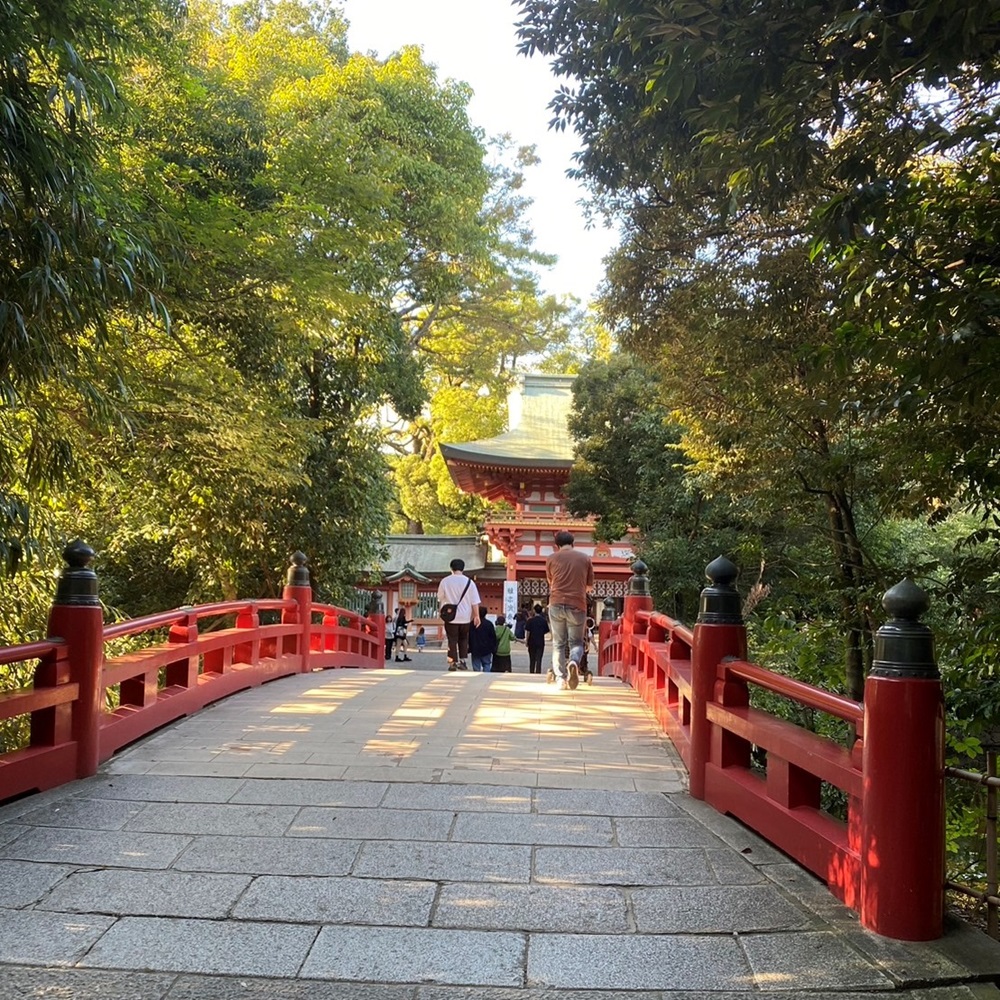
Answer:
(574, 675)
(560, 684)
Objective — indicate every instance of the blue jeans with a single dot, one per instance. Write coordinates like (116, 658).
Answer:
(567, 626)
(483, 662)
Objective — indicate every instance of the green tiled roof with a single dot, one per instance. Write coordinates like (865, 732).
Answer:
(431, 554)
(538, 433)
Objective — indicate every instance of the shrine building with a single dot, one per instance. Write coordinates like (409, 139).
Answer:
(528, 468)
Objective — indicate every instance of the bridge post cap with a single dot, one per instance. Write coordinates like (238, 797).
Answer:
(904, 646)
(721, 572)
(77, 584)
(720, 601)
(906, 600)
(638, 585)
(298, 571)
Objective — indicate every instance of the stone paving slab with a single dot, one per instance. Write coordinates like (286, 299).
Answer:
(620, 962)
(411, 955)
(577, 802)
(31, 937)
(469, 797)
(572, 909)
(532, 883)
(446, 862)
(296, 791)
(245, 988)
(639, 832)
(113, 848)
(162, 788)
(147, 893)
(25, 882)
(158, 944)
(734, 869)
(214, 818)
(343, 900)
(623, 866)
(27, 983)
(809, 960)
(372, 824)
(707, 909)
(85, 814)
(269, 855)
(533, 828)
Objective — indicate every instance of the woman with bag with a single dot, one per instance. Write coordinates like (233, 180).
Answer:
(399, 631)
(501, 658)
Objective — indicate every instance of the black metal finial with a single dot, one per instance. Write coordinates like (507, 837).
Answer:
(638, 585)
(78, 582)
(720, 601)
(298, 572)
(904, 646)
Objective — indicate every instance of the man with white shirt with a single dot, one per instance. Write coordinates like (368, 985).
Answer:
(459, 590)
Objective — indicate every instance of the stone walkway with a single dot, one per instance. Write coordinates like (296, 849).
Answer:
(413, 834)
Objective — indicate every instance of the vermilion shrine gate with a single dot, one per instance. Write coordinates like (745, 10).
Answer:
(528, 467)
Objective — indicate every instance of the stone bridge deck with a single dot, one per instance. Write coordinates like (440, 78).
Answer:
(420, 835)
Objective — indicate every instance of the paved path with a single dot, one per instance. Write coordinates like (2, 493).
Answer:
(418, 835)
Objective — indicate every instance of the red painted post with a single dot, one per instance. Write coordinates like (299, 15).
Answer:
(604, 629)
(299, 589)
(76, 617)
(903, 818)
(637, 599)
(718, 633)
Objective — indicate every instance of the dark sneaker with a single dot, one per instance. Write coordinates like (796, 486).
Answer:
(463, 665)
(574, 675)
(452, 665)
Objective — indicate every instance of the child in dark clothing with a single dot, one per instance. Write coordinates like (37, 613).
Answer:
(535, 630)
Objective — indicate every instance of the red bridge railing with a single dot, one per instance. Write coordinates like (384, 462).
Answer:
(887, 859)
(84, 704)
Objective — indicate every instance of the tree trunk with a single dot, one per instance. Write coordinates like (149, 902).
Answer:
(850, 572)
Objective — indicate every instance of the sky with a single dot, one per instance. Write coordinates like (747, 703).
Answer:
(475, 41)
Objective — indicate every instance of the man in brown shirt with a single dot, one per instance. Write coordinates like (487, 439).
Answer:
(571, 577)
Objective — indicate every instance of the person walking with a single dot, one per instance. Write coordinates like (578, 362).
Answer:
(399, 631)
(458, 600)
(570, 575)
(501, 659)
(535, 630)
(482, 643)
(390, 636)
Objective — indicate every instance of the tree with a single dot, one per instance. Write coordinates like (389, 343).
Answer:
(73, 253)
(809, 195)
(877, 122)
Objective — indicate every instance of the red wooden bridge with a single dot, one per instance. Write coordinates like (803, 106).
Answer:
(884, 861)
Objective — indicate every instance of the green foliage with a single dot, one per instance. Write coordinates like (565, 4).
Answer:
(73, 247)
(311, 219)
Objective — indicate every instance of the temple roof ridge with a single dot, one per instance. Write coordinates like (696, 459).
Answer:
(538, 429)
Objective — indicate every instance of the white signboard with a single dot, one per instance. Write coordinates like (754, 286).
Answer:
(509, 600)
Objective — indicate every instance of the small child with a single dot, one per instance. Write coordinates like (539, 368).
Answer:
(421, 639)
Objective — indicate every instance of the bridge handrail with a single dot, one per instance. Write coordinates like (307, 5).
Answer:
(84, 705)
(187, 612)
(804, 694)
(671, 625)
(887, 859)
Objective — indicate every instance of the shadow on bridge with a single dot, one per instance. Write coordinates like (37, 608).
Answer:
(424, 835)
